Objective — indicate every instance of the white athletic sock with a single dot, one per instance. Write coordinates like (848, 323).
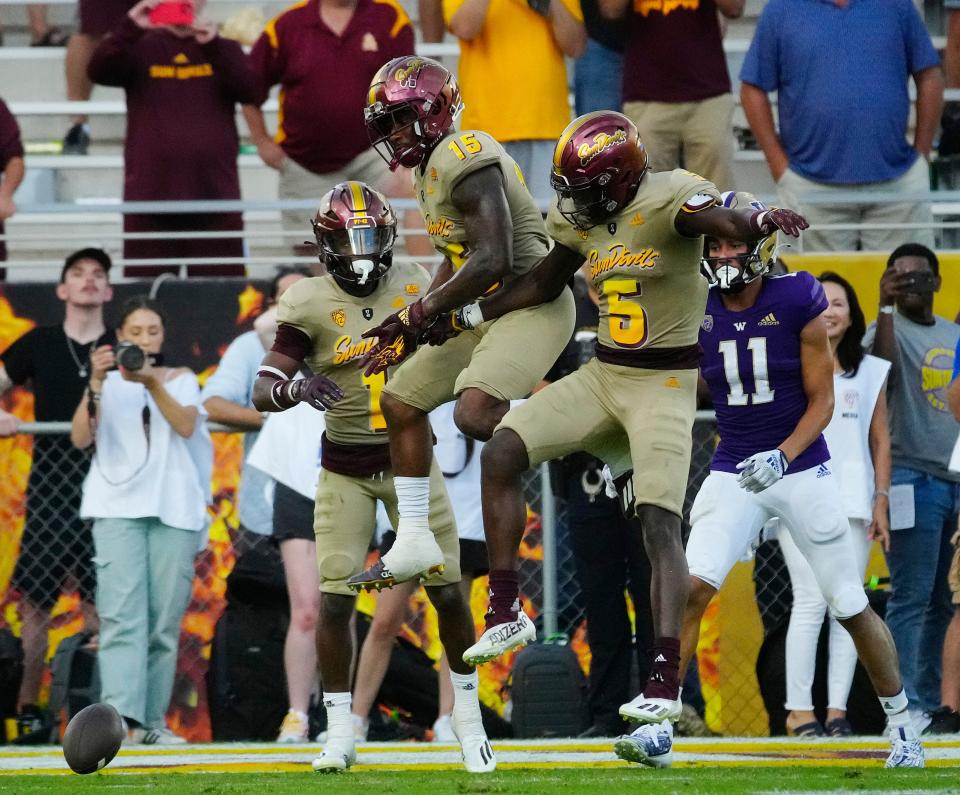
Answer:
(413, 504)
(466, 698)
(898, 716)
(339, 720)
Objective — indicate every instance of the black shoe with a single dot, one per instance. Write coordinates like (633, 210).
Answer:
(944, 721)
(838, 727)
(77, 140)
(33, 726)
(603, 730)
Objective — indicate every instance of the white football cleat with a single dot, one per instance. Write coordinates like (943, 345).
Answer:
(500, 639)
(335, 758)
(412, 556)
(651, 745)
(652, 710)
(478, 756)
(906, 750)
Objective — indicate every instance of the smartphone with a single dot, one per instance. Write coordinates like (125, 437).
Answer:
(178, 13)
(919, 282)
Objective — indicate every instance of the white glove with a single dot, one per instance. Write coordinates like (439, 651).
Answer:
(761, 471)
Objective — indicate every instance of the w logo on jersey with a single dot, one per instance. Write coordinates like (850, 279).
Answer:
(740, 326)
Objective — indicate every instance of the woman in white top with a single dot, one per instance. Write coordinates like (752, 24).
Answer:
(859, 440)
(147, 491)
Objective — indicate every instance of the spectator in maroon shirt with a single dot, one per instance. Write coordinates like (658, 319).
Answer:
(676, 87)
(11, 170)
(324, 53)
(182, 85)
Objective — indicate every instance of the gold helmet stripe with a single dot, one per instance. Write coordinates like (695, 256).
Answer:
(356, 190)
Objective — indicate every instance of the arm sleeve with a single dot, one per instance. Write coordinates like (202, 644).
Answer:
(233, 379)
(761, 66)
(11, 145)
(266, 61)
(234, 72)
(115, 62)
(920, 51)
(18, 359)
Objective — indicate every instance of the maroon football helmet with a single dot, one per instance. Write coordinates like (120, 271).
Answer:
(597, 166)
(411, 104)
(355, 230)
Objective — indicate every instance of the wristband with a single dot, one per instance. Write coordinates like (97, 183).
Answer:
(266, 371)
(470, 316)
(881, 493)
(887, 310)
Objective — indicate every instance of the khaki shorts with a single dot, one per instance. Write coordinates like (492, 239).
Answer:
(622, 415)
(953, 578)
(296, 182)
(506, 358)
(345, 519)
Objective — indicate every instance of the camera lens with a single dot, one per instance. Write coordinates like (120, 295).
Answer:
(130, 356)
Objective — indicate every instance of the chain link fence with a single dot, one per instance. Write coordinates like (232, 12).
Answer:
(49, 558)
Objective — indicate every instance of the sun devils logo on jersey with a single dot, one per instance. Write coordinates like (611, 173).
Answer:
(339, 317)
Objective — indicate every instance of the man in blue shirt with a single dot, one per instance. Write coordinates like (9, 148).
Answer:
(840, 69)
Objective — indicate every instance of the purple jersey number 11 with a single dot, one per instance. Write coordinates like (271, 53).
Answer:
(762, 393)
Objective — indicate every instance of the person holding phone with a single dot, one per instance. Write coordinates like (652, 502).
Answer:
(182, 83)
(920, 347)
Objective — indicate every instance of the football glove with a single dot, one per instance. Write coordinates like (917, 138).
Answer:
(787, 221)
(761, 471)
(317, 390)
(451, 324)
(398, 336)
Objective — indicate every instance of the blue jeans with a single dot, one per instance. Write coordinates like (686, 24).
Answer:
(598, 79)
(920, 606)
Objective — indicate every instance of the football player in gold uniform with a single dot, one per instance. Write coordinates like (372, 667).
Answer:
(320, 322)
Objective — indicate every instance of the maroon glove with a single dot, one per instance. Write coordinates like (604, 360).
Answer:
(787, 221)
(398, 336)
(317, 390)
(444, 328)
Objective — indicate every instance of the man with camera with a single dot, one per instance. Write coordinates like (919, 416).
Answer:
(923, 494)
(56, 544)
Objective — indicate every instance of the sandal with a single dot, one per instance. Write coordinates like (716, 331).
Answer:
(812, 729)
(838, 727)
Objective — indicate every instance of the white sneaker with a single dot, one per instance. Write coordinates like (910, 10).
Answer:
(161, 736)
(651, 744)
(500, 639)
(335, 758)
(478, 756)
(412, 556)
(906, 750)
(131, 735)
(295, 728)
(652, 710)
(443, 730)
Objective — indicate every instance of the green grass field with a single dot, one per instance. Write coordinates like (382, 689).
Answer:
(713, 779)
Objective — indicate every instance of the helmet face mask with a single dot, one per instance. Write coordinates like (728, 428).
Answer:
(355, 230)
(731, 274)
(412, 103)
(585, 205)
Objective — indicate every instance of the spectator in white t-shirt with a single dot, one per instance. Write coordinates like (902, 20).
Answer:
(147, 491)
(859, 440)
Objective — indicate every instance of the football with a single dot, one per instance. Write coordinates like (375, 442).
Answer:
(93, 738)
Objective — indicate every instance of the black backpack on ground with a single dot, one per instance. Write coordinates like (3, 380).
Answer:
(74, 680)
(246, 683)
(549, 692)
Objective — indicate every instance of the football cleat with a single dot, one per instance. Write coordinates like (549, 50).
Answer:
(652, 710)
(412, 557)
(478, 756)
(335, 758)
(501, 638)
(906, 750)
(651, 744)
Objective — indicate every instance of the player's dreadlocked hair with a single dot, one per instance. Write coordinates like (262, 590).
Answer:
(849, 351)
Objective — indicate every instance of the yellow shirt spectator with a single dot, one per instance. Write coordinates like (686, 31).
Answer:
(512, 75)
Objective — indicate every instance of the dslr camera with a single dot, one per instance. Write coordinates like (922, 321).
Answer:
(130, 356)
